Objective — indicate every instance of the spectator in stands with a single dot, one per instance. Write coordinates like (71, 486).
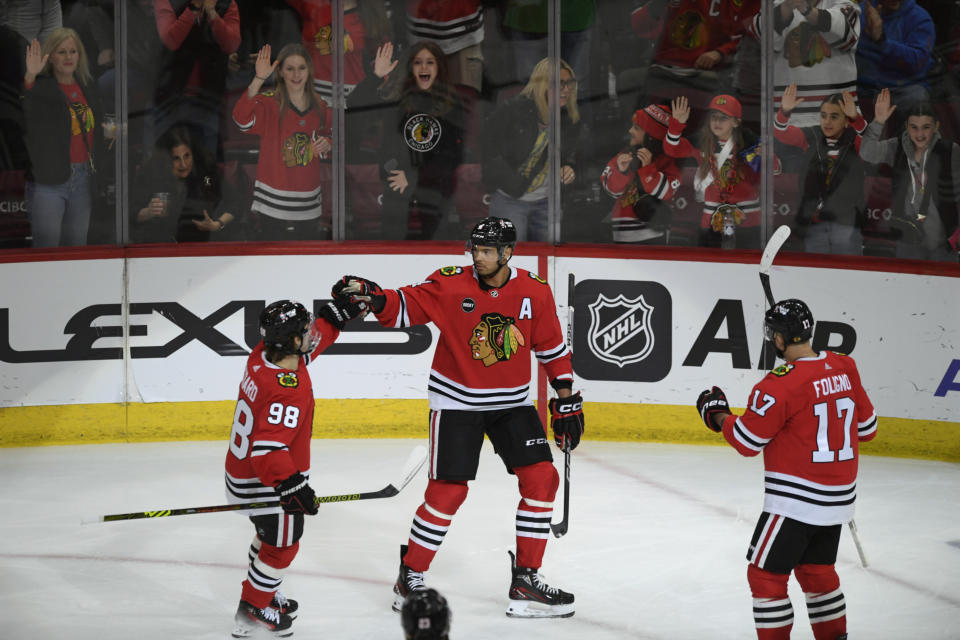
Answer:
(516, 150)
(293, 123)
(32, 19)
(814, 44)
(831, 213)
(727, 178)
(199, 35)
(895, 51)
(642, 179)
(62, 111)
(422, 143)
(926, 180)
(457, 28)
(179, 196)
(365, 28)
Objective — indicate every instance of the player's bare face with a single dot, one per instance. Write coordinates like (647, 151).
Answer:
(64, 60)
(485, 261)
(832, 120)
(182, 159)
(295, 74)
(921, 130)
(722, 125)
(424, 69)
(636, 136)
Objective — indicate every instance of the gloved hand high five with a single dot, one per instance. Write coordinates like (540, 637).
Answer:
(296, 495)
(566, 419)
(356, 289)
(713, 407)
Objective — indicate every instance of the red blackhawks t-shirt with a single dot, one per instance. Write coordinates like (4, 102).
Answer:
(81, 123)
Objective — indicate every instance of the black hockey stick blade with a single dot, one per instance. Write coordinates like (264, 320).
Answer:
(560, 529)
(776, 241)
(414, 463)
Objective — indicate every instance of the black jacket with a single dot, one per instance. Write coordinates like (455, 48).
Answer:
(840, 190)
(47, 116)
(509, 135)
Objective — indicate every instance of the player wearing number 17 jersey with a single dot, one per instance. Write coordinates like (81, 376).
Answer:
(807, 417)
(269, 454)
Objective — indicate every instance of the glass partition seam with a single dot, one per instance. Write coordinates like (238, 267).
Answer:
(338, 173)
(766, 119)
(553, 126)
(121, 140)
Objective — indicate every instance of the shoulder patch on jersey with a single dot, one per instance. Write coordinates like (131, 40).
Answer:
(268, 93)
(782, 370)
(451, 271)
(536, 277)
(288, 379)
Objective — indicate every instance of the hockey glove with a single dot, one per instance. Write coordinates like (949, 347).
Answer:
(296, 496)
(357, 289)
(712, 404)
(338, 312)
(566, 419)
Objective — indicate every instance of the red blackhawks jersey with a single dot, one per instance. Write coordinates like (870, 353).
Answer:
(272, 424)
(287, 186)
(316, 16)
(452, 24)
(807, 417)
(482, 360)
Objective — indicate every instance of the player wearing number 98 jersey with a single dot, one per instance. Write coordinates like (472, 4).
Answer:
(269, 453)
(807, 417)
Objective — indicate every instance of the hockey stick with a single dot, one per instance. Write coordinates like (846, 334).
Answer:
(855, 533)
(417, 457)
(776, 241)
(560, 529)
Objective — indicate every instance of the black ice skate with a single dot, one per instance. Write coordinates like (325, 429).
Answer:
(408, 580)
(531, 597)
(285, 605)
(267, 622)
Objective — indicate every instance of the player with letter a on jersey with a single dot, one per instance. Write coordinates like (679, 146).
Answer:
(269, 454)
(807, 417)
(491, 316)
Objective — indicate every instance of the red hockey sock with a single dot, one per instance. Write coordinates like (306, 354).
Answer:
(432, 520)
(825, 603)
(538, 487)
(265, 573)
(772, 610)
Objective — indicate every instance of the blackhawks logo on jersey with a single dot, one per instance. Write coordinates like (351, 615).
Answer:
(288, 379)
(451, 271)
(297, 151)
(495, 338)
(782, 370)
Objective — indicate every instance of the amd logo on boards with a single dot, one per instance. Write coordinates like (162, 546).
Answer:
(81, 327)
(623, 331)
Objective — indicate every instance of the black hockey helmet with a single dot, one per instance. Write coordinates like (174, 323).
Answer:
(425, 616)
(283, 320)
(790, 318)
(493, 232)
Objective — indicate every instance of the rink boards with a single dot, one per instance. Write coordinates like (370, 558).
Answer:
(134, 345)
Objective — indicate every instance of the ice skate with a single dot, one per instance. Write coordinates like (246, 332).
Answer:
(285, 605)
(408, 580)
(531, 597)
(251, 622)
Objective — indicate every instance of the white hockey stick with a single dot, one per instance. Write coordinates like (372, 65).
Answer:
(855, 533)
(766, 260)
(414, 462)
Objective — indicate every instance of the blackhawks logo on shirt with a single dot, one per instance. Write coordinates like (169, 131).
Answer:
(288, 379)
(495, 338)
(422, 132)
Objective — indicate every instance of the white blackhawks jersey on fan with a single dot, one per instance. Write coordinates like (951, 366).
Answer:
(482, 360)
(807, 417)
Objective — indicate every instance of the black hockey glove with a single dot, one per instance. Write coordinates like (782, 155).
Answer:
(338, 312)
(296, 496)
(357, 289)
(711, 404)
(566, 419)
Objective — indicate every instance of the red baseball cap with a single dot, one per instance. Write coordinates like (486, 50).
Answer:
(727, 105)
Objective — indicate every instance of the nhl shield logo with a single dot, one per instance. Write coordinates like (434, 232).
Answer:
(620, 330)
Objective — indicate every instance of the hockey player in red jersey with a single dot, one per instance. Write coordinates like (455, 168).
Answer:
(269, 453)
(807, 417)
(491, 316)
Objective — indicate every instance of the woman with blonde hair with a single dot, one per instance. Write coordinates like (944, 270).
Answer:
(294, 125)
(61, 109)
(516, 154)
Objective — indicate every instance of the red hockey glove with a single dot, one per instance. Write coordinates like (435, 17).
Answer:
(296, 496)
(566, 419)
(356, 289)
(711, 404)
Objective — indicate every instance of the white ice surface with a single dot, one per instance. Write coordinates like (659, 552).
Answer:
(655, 549)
